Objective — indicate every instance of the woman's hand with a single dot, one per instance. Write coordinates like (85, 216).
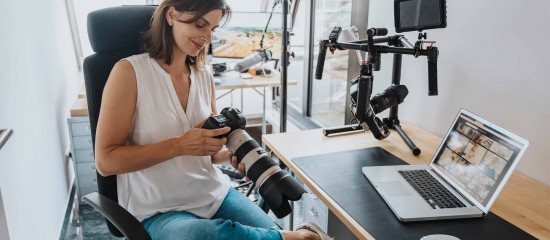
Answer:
(222, 156)
(202, 142)
(238, 166)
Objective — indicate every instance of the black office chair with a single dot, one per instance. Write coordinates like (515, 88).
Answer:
(114, 34)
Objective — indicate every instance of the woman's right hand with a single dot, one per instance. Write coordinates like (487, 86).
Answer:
(202, 142)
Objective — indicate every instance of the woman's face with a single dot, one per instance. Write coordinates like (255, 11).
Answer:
(191, 38)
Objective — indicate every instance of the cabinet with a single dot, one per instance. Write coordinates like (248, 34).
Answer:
(315, 210)
(82, 151)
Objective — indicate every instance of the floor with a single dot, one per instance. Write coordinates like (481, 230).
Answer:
(91, 225)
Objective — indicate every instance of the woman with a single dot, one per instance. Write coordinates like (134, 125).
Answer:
(149, 135)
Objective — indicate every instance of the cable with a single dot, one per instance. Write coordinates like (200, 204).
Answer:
(267, 25)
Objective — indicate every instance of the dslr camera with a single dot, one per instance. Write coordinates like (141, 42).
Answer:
(276, 186)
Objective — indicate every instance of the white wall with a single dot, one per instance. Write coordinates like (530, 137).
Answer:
(493, 61)
(37, 80)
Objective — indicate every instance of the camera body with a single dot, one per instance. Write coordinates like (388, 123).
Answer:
(276, 186)
(228, 117)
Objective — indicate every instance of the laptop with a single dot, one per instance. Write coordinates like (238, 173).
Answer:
(464, 178)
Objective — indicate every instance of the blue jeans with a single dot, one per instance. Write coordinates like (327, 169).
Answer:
(237, 218)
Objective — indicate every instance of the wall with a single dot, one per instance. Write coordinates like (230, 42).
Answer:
(493, 61)
(38, 82)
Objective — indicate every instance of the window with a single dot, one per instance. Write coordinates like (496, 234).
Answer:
(329, 94)
(81, 10)
(251, 6)
(230, 39)
(297, 65)
(318, 103)
(243, 33)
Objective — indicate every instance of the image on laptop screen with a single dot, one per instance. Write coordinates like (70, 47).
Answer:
(477, 156)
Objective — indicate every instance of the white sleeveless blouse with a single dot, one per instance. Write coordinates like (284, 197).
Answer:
(184, 183)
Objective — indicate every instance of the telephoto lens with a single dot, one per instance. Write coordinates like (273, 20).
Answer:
(276, 186)
(392, 96)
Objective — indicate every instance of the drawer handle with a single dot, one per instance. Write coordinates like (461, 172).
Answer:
(88, 128)
(313, 212)
(95, 180)
(93, 168)
(90, 141)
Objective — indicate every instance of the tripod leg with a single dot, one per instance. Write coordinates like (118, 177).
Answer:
(408, 141)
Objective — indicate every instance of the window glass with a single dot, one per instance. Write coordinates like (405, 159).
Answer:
(242, 35)
(83, 7)
(253, 5)
(329, 94)
(297, 65)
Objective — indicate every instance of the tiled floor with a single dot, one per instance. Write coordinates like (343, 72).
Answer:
(92, 226)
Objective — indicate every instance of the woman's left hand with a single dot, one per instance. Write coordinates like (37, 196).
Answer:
(222, 156)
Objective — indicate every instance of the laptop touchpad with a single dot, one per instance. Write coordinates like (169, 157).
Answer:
(395, 188)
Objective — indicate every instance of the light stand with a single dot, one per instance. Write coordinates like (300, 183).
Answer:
(284, 67)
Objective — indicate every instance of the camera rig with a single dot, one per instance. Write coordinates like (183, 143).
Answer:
(362, 105)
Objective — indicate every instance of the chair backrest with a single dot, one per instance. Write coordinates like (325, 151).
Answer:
(114, 34)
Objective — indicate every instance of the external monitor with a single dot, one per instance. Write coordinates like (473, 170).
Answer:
(418, 15)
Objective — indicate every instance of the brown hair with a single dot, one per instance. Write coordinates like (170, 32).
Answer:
(158, 40)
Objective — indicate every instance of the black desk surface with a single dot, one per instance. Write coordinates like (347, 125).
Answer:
(340, 176)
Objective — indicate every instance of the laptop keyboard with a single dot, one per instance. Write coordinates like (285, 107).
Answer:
(430, 189)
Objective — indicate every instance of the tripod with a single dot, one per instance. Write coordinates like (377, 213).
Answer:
(363, 111)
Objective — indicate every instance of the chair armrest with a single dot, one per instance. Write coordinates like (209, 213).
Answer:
(125, 222)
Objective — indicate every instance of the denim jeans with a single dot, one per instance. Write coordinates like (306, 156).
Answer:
(237, 218)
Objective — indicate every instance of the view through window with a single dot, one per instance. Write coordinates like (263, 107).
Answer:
(329, 94)
(81, 10)
(242, 35)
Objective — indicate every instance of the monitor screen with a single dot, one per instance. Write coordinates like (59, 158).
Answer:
(417, 15)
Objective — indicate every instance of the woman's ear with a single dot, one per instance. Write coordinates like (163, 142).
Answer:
(169, 16)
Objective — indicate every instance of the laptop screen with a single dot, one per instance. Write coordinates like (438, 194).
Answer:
(478, 156)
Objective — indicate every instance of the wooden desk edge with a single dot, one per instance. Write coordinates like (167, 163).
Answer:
(532, 221)
(255, 84)
(79, 107)
(355, 227)
(231, 87)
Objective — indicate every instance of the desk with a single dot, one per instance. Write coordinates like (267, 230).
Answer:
(523, 202)
(232, 81)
